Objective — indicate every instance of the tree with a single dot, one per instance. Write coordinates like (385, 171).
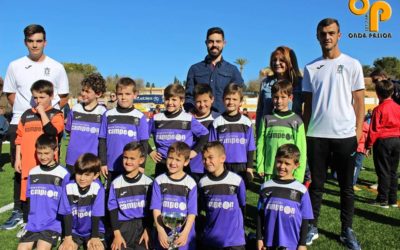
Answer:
(148, 85)
(153, 85)
(139, 83)
(176, 80)
(75, 79)
(241, 62)
(389, 64)
(111, 81)
(85, 69)
(254, 85)
(367, 70)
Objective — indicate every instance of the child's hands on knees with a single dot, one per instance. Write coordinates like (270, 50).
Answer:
(118, 241)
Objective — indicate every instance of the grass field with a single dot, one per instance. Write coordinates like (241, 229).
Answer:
(376, 228)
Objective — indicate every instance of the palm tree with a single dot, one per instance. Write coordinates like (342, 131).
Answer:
(241, 62)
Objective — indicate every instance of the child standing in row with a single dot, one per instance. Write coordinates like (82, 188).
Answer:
(204, 100)
(83, 122)
(44, 191)
(281, 127)
(284, 206)
(175, 125)
(82, 206)
(175, 191)
(129, 202)
(222, 196)
(235, 132)
(119, 126)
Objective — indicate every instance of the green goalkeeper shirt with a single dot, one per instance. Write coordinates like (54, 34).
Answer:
(275, 130)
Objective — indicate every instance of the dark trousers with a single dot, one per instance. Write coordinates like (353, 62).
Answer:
(386, 160)
(339, 154)
(12, 134)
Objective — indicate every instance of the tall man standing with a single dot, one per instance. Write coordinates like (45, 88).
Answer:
(213, 70)
(20, 76)
(333, 86)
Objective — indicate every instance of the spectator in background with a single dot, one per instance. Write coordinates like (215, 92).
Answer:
(112, 103)
(378, 75)
(213, 70)
(245, 113)
(283, 62)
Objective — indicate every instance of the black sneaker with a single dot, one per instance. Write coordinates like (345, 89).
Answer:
(379, 204)
(348, 238)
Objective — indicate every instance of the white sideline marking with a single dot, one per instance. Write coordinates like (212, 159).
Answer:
(6, 207)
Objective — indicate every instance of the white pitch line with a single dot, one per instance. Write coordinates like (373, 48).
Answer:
(6, 207)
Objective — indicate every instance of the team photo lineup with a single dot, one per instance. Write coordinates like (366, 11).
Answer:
(206, 148)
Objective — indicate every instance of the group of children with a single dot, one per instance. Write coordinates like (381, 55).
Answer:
(204, 161)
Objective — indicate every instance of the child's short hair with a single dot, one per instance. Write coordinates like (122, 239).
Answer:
(384, 88)
(180, 148)
(174, 90)
(33, 29)
(288, 151)
(87, 163)
(43, 86)
(378, 72)
(215, 145)
(233, 88)
(46, 141)
(201, 89)
(283, 86)
(133, 146)
(126, 82)
(96, 82)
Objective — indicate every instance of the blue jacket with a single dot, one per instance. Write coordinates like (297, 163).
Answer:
(203, 72)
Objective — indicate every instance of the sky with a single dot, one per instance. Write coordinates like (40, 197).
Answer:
(157, 40)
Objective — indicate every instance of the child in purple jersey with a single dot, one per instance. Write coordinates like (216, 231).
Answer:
(83, 121)
(204, 100)
(175, 192)
(119, 126)
(175, 125)
(223, 197)
(128, 202)
(235, 132)
(82, 206)
(45, 185)
(284, 206)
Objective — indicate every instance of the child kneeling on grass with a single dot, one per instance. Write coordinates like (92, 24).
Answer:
(44, 188)
(82, 206)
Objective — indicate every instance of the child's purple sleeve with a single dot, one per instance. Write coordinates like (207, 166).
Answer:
(68, 125)
(213, 133)
(250, 137)
(156, 197)
(151, 127)
(99, 203)
(28, 187)
(65, 207)
(242, 194)
(143, 129)
(103, 126)
(192, 201)
(306, 207)
(112, 199)
(198, 129)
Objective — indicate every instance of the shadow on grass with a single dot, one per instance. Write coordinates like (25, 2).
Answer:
(378, 218)
(329, 235)
(4, 159)
(356, 197)
(251, 216)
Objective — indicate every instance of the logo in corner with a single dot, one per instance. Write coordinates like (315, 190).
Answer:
(379, 11)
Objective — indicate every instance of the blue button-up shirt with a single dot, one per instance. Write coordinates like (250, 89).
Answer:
(217, 77)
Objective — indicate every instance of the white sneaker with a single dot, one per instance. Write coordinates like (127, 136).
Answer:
(22, 231)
